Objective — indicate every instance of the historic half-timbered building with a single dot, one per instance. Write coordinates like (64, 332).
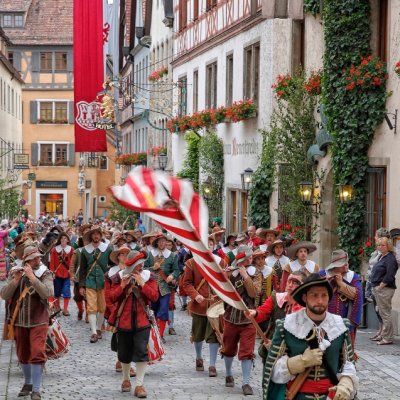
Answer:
(227, 51)
(10, 115)
(41, 34)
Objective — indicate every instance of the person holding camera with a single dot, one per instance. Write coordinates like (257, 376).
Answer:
(137, 289)
(27, 292)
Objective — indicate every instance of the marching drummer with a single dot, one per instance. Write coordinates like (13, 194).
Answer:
(202, 297)
(27, 292)
(131, 298)
(238, 330)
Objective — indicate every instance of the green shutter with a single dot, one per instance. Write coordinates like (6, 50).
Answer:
(34, 111)
(71, 155)
(34, 154)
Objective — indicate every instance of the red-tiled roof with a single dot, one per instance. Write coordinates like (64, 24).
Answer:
(14, 5)
(48, 22)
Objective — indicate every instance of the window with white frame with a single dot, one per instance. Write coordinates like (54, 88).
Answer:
(53, 154)
(52, 112)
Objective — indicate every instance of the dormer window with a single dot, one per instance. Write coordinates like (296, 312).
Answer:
(12, 20)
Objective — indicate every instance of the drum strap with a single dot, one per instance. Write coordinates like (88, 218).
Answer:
(139, 297)
(121, 307)
(23, 294)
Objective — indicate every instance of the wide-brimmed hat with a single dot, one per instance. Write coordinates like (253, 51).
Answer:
(83, 227)
(394, 232)
(259, 253)
(4, 223)
(339, 259)
(242, 236)
(157, 238)
(114, 254)
(243, 253)
(262, 232)
(63, 234)
(131, 233)
(24, 242)
(171, 239)
(135, 258)
(117, 238)
(88, 235)
(31, 252)
(272, 246)
(150, 234)
(311, 281)
(294, 248)
(231, 235)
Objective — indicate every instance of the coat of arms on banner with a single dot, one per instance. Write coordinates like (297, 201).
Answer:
(88, 114)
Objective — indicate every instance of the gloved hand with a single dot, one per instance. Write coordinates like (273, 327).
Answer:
(310, 358)
(343, 389)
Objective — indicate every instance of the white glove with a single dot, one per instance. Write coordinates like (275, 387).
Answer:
(310, 358)
(343, 389)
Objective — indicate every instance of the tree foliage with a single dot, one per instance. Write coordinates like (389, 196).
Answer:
(191, 166)
(9, 201)
(122, 214)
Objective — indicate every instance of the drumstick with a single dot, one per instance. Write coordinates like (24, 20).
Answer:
(259, 330)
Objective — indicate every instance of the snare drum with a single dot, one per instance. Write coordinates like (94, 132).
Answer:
(57, 343)
(215, 315)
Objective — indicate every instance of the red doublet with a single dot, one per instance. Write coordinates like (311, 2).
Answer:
(60, 262)
(149, 294)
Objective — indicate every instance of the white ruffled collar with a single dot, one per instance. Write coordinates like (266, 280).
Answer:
(349, 276)
(251, 271)
(40, 271)
(145, 274)
(281, 299)
(102, 247)
(66, 249)
(267, 271)
(165, 253)
(113, 270)
(296, 266)
(299, 325)
(263, 247)
(271, 260)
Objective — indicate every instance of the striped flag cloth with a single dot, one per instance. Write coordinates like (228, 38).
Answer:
(174, 205)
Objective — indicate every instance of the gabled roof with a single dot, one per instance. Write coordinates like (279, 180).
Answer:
(14, 5)
(48, 22)
(4, 60)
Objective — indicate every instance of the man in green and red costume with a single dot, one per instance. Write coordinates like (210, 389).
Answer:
(93, 266)
(311, 355)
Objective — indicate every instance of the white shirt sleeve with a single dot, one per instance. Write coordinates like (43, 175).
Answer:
(280, 372)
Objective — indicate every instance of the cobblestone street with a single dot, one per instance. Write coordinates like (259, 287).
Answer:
(87, 372)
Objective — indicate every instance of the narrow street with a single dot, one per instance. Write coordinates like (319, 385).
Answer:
(87, 372)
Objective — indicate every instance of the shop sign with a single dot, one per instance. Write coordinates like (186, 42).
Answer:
(51, 184)
(246, 148)
(106, 125)
(21, 161)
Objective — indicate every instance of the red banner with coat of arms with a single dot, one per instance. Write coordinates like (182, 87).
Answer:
(88, 74)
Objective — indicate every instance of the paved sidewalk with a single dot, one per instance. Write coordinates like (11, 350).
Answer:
(87, 372)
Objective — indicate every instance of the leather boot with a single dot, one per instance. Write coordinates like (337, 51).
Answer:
(140, 392)
(25, 390)
(126, 386)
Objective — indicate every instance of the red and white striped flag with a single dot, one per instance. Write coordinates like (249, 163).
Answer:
(148, 191)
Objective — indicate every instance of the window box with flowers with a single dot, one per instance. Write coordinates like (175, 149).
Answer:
(238, 111)
(132, 159)
(46, 163)
(158, 74)
(155, 151)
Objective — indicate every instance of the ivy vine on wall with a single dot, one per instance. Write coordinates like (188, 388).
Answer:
(312, 6)
(353, 108)
(286, 142)
(191, 166)
(211, 159)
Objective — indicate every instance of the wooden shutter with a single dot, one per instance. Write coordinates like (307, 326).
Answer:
(34, 154)
(71, 155)
(35, 61)
(17, 60)
(71, 106)
(70, 61)
(34, 111)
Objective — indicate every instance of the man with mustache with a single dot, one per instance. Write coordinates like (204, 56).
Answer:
(311, 355)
